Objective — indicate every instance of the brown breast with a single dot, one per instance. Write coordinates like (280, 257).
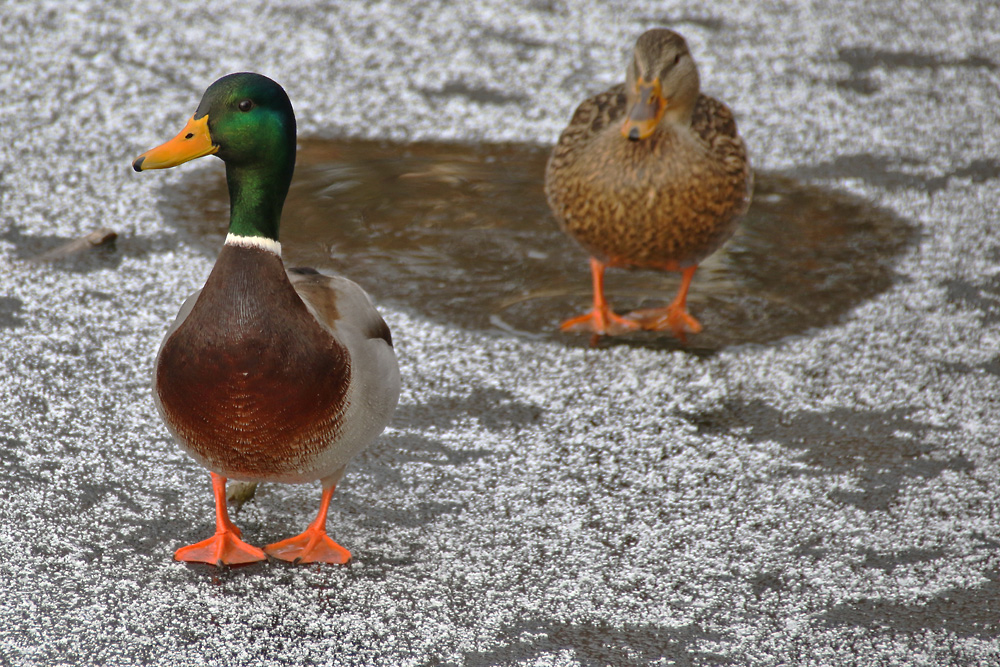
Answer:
(249, 381)
(667, 202)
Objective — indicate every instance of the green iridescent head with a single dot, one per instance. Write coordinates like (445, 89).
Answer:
(246, 120)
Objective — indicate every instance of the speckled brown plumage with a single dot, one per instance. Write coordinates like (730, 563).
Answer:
(666, 201)
(670, 200)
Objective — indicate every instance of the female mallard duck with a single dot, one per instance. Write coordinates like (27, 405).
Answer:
(267, 375)
(649, 174)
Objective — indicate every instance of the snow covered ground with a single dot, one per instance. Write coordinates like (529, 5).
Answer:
(830, 498)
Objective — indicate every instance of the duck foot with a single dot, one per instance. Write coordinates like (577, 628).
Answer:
(675, 317)
(223, 548)
(676, 320)
(601, 319)
(600, 322)
(312, 545)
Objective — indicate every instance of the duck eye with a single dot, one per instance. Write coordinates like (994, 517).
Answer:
(246, 105)
(677, 58)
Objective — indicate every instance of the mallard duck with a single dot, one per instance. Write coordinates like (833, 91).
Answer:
(649, 174)
(267, 375)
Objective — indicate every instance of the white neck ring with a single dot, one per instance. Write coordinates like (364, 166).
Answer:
(270, 245)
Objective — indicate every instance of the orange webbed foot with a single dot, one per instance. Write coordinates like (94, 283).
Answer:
(605, 323)
(601, 319)
(223, 548)
(672, 318)
(675, 317)
(311, 546)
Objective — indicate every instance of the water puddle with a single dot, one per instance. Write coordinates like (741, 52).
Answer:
(462, 234)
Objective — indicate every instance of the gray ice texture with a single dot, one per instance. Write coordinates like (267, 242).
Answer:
(830, 498)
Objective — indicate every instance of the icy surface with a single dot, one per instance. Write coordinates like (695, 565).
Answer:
(828, 499)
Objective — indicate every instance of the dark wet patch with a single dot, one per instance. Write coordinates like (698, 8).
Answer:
(812, 549)
(862, 60)
(887, 562)
(10, 309)
(892, 173)
(881, 448)
(859, 84)
(463, 234)
(30, 246)
(966, 612)
(712, 23)
(495, 409)
(525, 48)
(473, 93)
(982, 296)
(376, 566)
(596, 644)
(13, 469)
(509, 37)
(412, 448)
(128, 525)
(985, 542)
(991, 367)
(547, 6)
(88, 494)
(979, 171)
(772, 580)
(415, 515)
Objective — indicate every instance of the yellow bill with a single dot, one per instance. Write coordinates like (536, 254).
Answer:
(194, 141)
(647, 111)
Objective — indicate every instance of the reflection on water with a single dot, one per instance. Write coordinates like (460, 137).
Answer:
(462, 233)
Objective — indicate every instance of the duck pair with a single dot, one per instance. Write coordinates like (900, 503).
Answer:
(284, 375)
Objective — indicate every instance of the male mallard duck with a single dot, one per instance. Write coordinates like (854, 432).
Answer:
(650, 174)
(267, 375)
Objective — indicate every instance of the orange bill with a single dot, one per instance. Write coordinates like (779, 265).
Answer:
(192, 142)
(647, 111)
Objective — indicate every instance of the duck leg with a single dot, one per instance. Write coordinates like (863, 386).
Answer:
(225, 547)
(312, 545)
(600, 320)
(674, 317)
